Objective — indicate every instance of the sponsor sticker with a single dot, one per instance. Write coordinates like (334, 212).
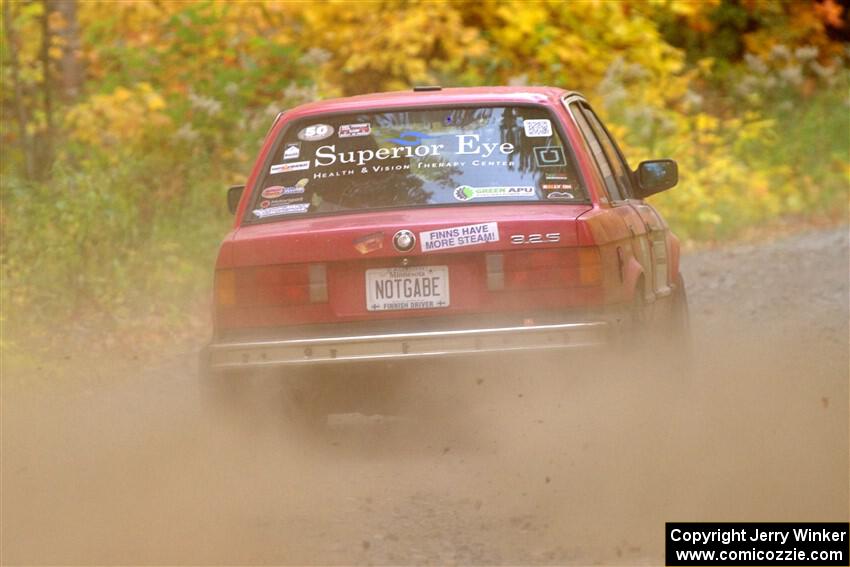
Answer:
(294, 166)
(467, 193)
(556, 186)
(316, 132)
(282, 210)
(537, 128)
(560, 195)
(272, 192)
(409, 145)
(292, 151)
(557, 177)
(354, 130)
(458, 236)
(369, 243)
(276, 191)
(288, 200)
(549, 156)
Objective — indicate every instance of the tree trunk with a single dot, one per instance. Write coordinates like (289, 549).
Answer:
(20, 112)
(46, 147)
(71, 68)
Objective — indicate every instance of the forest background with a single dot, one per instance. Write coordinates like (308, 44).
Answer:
(124, 122)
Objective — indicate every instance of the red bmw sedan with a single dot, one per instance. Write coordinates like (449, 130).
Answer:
(442, 222)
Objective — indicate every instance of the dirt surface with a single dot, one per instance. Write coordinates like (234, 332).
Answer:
(530, 461)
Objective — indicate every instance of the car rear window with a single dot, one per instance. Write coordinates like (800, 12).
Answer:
(416, 158)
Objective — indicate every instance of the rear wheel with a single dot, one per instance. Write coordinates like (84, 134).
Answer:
(659, 335)
(640, 328)
(679, 325)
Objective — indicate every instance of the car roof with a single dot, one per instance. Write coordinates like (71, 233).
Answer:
(448, 96)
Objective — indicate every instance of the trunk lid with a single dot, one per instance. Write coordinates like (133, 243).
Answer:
(351, 244)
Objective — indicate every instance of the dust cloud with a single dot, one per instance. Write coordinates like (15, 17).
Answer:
(522, 460)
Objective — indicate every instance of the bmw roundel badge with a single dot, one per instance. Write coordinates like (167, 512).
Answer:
(404, 241)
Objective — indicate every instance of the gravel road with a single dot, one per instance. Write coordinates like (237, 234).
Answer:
(536, 461)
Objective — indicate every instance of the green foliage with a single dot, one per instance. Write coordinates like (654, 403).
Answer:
(97, 241)
(113, 199)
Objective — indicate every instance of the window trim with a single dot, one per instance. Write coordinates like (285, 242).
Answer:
(248, 219)
(579, 120)
(630, 190)
(575, 98)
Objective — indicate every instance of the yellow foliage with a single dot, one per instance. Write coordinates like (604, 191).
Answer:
(387, 45)
(125, 118)
(179, 94)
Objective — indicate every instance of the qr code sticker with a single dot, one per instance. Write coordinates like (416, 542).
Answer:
(537, 128)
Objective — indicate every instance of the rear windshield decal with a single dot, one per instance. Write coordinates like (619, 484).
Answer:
(282, 210)
(537, 128)
(549, 156)
(276, 191)
(294, 166)
(292, 151)
(354, 130)
(272, 192)
(465, 145)
(466, 193)
(316, 132)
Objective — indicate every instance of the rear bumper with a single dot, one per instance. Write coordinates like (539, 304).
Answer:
(395, 346)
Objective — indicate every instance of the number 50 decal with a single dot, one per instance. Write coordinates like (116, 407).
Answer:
(315, 132)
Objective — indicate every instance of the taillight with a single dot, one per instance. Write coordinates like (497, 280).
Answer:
(495, 271)
(318, 283)
(225, 287)
(589, 266)
(540, 269)
(296, 284)
(550, 268)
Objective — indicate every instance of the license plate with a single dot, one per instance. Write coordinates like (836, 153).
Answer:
(421, 287)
